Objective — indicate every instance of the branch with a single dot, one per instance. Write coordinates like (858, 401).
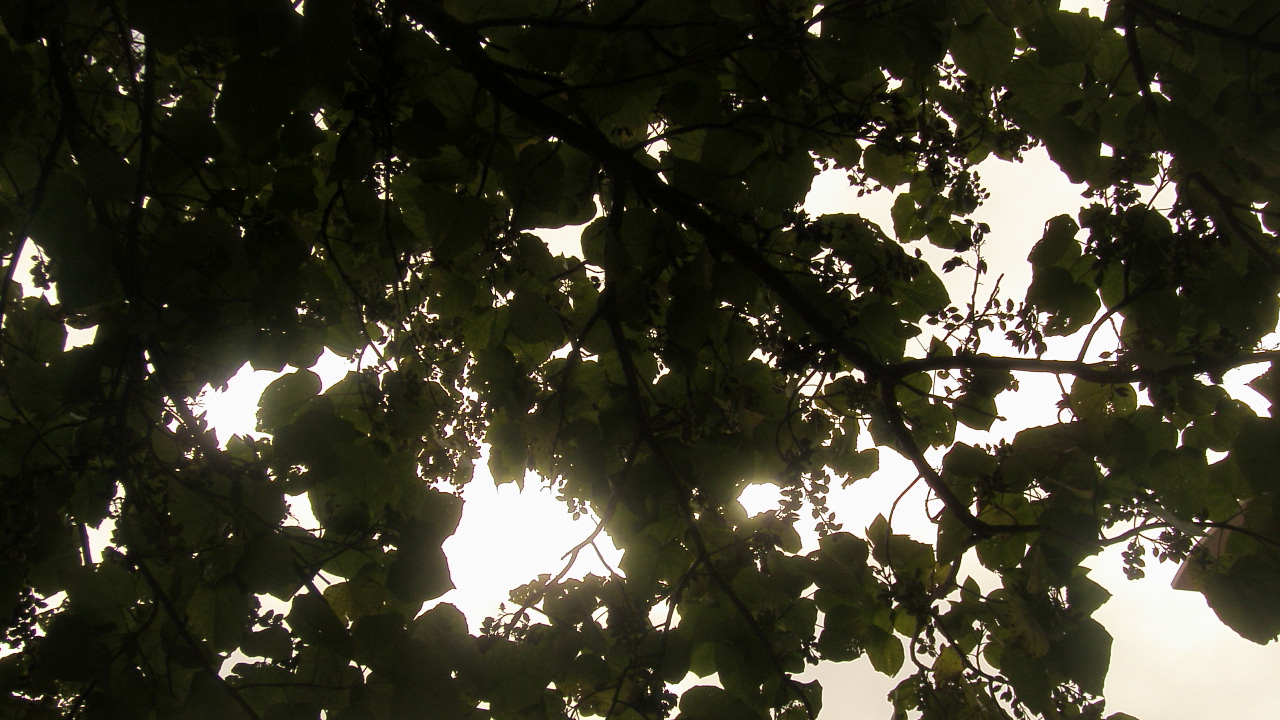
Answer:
(1228, 207)
(908, 446)
(180, 622)
(1135, 57)
(465, 45)
(1101, 372)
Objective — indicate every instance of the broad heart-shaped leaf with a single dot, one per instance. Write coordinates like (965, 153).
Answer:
(517, 674)
(885, 651)
(706, 702)
(72, 650)
(905, 555)
(534, 321)
(314, 622)
(853, 466)
(257, 96)
(219, 613)
(1257, 452)
(1084, 596)
(969, 461)
(1244, 597)
(1058, 246)
(1085, 655)
(843, 627)
(984, 48)
(976, 411)
(420, 571)
(286, 398)
(1070, 304)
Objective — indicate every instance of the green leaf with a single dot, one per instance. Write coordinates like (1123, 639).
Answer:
(984, 48)
(1257, 452)
(1084, 596)
(969, 461)
(269, 566)
(518, 673)
(1085, 654)
(884, 650)
(314, 622)
(419, 570)
(533, 320)
(1244, 596)
(219, 613)
(705, 702)
(842, 630)
(1070, 304)
(976, 411)
(286, 398)
(273, 643)
(72, 650)
(954, 538)
(1058, 246)
(853, 466)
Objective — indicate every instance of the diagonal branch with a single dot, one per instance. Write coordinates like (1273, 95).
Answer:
(907, 444)
(1101, 372)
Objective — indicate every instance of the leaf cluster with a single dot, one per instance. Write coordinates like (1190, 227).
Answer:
(208, 184)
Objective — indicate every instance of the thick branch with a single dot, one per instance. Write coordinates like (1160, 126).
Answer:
(907, 443)
(1101, 372)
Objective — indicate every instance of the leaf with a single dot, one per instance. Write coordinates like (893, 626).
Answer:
(885, 651)
(419, 571)
(285, 399)
(905, 555)
(1092, 402)
(1084, 596)
(314, 622)
(1074, 148)
(273, 643)
(954, 538)
(969, 461)
(975, 411)
(269, 566)
(1244, 596)
(72, 650)
(219, 614)
(984, 48)
(1085, 654)
(533, 320)
(842, 629)
(1028, 676)
(1257, 452)
(1070, 304)
(1058, 246)
(518, 673)
(356, 599)
(853, 466)
(705, 702)
(888, 169)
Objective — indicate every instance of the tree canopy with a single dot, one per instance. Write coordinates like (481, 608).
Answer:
(210, 183)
